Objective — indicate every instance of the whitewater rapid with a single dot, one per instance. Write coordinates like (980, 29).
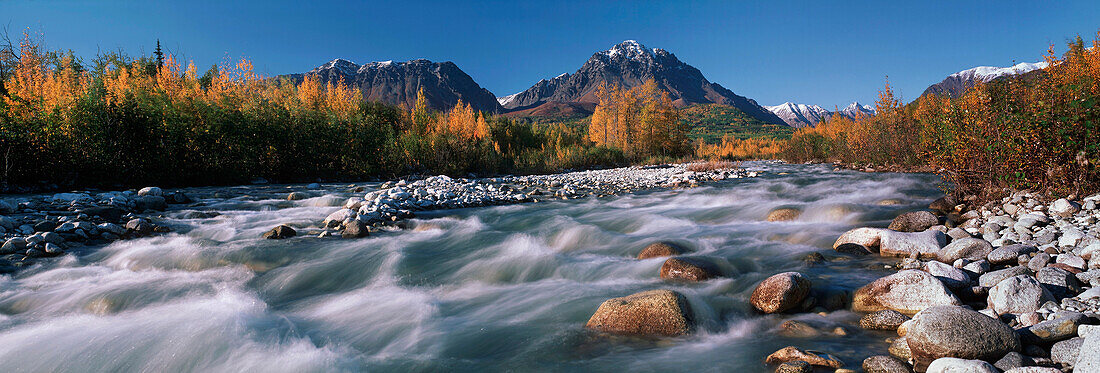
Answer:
(504, 288)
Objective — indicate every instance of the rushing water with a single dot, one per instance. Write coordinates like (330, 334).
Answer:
(504, 288)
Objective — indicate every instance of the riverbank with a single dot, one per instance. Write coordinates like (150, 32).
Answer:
(997, 287)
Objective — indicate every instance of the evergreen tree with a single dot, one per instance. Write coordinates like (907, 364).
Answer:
(160, 56)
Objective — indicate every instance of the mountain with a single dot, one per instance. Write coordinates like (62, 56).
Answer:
(396, 83)
(630, 64)
(955, 84)
(802, 115)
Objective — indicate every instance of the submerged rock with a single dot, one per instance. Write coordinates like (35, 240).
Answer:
(780, 292)
(280, 232)
(659, 249)
(784, 214)
(797, 366)
(649, 313)
(688, 269)
(791, 353)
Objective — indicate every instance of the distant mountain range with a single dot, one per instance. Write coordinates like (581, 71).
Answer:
(955, 84)
(802, 115)
(396, 83)
(629, 64)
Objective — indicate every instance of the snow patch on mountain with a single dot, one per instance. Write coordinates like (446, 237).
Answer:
(506, 99)
(988, 73)
(803, 115)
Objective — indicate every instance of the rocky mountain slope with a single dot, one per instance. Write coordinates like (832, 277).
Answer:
(955, 84)
(630, 64)
(396, 83)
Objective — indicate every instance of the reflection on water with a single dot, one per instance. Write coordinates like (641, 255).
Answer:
(488, 289)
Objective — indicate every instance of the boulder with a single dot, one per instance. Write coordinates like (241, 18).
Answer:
(866, 237)
(178, 197)
(885, 364)
(953, 277)
(1009, 253)
(151, 191)
(784, 214)
(954, 331)
(280, 232)
(1018, 294)
(355, 229)
(659, 249)
(296, 196)
(973, 249)
(1034, 370)
(943, 205)
(900, 349)
(926, 244)
(791, 353)
(338, 217)
(798, 329)
(142, 203)
(991, 279)
(797, 366)
(1013, 360)
(649, 313)
(1064, 208)
(780, 292)
(956, 365)
(1060, 282)
(139, 226)
(1062, 327)
(883, 320)
(916, 221)
(1066, 352)
(688, 269)
(1088, 359)
(908, 292)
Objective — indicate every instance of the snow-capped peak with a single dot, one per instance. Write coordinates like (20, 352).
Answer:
(799, 115)
(630, 49)
(344, 66)
(506, 99)
(988, 73)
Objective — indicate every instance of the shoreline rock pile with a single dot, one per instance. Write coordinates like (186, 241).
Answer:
(1012, 286)
(51, 225)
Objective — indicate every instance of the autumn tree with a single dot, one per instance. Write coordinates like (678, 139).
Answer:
(641, 120)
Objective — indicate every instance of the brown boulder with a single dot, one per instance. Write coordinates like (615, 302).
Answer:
(659, 249)
(688, 269)
(907, 291)
(780, 292)
(791, 353)
(916, 221)
(280, 232)
(649, 313)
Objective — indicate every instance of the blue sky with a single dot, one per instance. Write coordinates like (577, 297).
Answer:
(817, 52)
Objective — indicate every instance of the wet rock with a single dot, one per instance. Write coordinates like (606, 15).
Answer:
(853, 249)
(649, 313)
(953, 331)
(151, 191)
(916, 221)
(149, 202)
(925, 244)
(780, 292)
(1010, 253)
(280, 232)
(14, 245)
(797, 366)
(338, 217)
(908, 292)
(865, 237)
(355, 229)
(798, 329)
(791, 353)
(899, 348)
(885, 364)
(660, 249)
(965, 248)
(688, 269)
(296, 196)
(883, 320)
(784, 214)
(1018, 294)
(139, 226)
(956, 365)
(45, 226)
(991, 279)
(178, 198)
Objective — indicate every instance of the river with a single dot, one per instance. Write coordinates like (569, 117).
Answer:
(504, 288)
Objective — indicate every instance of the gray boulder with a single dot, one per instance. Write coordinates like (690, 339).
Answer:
(1066, 352)
(1018, 294)
(926, 244)
(1088, 359)
(991, 279)
(916, 221)
(965, 248)
(1009, 253)
(952, 277)
(954, 331)
(956, 365)
(908, 292)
